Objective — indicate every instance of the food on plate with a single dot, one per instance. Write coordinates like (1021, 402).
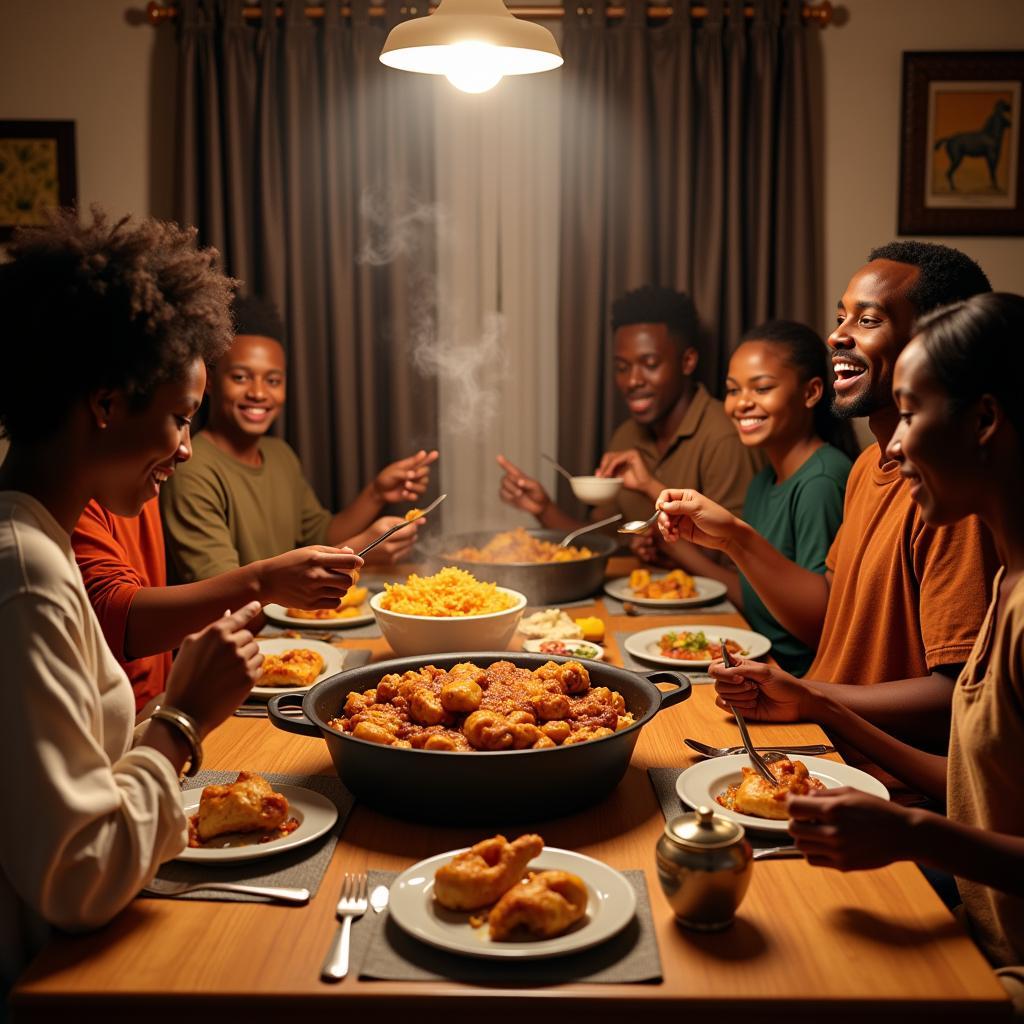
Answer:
(545, 904)
(570, 649)
(296, 667)
(760, 799)
(550, 624)
(687, 646)
(519, 546)
(480, 875)
(673, 586)
(593, 628)
(448, 593)
(413, 513)
(347, 608)
(248, 805)
(501, 707)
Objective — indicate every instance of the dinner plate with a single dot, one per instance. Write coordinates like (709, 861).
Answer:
(314, 813)
(701, 783)
(334, 660)
(645, 643)
(708, 590)
(279, 614)
(610, 907)
(598, 651)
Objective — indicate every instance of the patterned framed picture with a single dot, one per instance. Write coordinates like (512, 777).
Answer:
(962, 166)
(37, 171)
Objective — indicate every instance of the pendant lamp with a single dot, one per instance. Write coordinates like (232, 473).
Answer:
(473, 43)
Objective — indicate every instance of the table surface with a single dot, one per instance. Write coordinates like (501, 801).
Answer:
(806, 942)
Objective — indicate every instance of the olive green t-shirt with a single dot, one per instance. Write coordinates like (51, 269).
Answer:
(219, 513)
(799, 517)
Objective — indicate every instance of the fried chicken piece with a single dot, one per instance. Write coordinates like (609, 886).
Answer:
(460, 693)
(757, 797)
(296, 667)
(246, 805)
(487, 730)
(545, 905)
(479, 875)
(570, 676)
(425, 706)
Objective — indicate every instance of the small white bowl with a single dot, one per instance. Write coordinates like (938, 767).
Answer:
(595, 490)
(433, 634)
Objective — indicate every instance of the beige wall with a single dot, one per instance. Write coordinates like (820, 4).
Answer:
(861, 73)
(92, 62)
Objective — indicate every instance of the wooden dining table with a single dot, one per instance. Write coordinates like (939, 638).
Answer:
(807, 944)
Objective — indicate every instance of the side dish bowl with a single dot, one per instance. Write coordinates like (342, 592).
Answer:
(595, 490)
(427, 634)
(478, 786)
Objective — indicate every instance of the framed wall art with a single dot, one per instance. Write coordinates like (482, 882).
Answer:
(37, 171)
(962, 166)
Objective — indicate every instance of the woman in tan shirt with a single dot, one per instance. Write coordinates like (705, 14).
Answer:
(960, 446)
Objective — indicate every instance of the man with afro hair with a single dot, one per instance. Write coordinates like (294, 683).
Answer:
(677, 434)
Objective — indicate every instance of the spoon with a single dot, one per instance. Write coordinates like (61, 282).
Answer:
(569, 537)
(561, 469)
(639, 525)
(401, 526)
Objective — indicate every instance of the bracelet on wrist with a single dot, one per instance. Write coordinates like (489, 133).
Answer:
(186, 725)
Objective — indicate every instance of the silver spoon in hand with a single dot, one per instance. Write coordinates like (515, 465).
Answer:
(570, 537)
(639, 525)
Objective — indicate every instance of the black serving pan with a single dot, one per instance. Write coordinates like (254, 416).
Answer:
(479, 786)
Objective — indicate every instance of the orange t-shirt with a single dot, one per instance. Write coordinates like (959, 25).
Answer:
(906, 597)
(117, 557)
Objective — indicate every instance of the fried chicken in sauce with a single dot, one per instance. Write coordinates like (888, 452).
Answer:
(478, 876)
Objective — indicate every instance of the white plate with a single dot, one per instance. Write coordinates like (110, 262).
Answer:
(700, 784)
(708, 590)
(315, 814)
(610, 907)
(645, 643)
(277, 613)
(334, 660)
(534, 647)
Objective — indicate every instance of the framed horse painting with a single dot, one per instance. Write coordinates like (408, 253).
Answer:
(962, 164)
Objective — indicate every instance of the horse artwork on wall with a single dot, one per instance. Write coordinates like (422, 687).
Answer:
(962, 172)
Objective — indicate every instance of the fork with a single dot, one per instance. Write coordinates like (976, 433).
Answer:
(163, 887)
(352, 904)
(755, 758)
(708, 751)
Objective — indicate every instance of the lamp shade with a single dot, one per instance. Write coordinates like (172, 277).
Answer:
(473, 42)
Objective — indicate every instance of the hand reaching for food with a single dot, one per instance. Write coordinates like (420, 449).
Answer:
(545, 905)
(629, 465)
(480, 875)
(404, 480)
(397, 547)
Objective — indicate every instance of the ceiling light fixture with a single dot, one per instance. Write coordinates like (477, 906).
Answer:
(473, 43)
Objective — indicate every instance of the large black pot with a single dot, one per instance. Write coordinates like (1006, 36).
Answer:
(479, 786)
(543, 583)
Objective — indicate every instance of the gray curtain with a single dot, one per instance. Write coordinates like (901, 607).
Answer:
(685, 163)
(308, 164)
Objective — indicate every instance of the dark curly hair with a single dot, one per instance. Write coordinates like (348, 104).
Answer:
(253, 314)
(807, 353)
(653, 304)
(125, 305)
(945, 274)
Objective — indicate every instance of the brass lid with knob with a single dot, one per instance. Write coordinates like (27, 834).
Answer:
(703, 830)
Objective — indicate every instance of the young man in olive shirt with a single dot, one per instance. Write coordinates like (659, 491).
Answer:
(677, 434)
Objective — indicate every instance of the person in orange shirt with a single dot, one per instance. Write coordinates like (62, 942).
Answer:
(902, 601)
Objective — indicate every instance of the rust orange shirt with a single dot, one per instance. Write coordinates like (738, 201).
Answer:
(906, 597)
(117, 557)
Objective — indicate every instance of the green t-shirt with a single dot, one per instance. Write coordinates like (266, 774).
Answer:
(219, 513)
(799, 517)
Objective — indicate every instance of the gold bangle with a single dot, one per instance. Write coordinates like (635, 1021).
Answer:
(186, 725)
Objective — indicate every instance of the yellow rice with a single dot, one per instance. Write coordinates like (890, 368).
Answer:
(448, 593)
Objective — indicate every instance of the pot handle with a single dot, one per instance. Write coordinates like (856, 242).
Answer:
(303, 726)
(668, 697)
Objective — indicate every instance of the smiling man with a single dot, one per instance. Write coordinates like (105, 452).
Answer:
(901, 602)
(677, 434)
(243, 496)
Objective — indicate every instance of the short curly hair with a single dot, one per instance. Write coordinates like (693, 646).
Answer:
(125, 305)
(654, 304)
(253, 314)
(945, 274)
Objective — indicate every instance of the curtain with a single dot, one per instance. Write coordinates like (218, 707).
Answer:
(685, 163)
(310, 166)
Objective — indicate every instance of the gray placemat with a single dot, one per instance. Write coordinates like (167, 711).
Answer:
(302, 867)
(615, 607)
(664, 782)
(636, 665)
(386, 953)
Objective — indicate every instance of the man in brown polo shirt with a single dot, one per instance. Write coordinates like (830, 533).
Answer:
(676, 430)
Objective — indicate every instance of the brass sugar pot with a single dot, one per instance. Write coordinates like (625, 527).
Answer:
(704, 866)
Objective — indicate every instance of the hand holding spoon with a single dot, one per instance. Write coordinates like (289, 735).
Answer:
(639, 525)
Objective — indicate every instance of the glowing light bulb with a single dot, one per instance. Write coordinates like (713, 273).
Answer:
(473, 67)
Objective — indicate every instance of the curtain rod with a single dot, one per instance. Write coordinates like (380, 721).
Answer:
(819, 13)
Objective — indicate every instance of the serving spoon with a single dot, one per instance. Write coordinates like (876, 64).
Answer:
(570, 537)
(401, 526)
(561, 469)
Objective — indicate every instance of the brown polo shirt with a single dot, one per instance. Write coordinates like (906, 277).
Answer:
(706, 455)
